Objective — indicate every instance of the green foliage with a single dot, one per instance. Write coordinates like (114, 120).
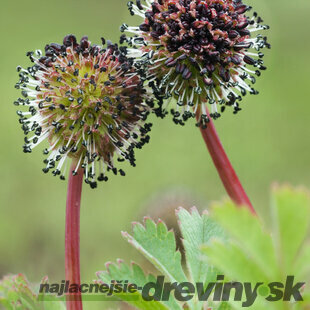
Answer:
(158, 245)
(264, 141)
(134, 274)
(255, 253)
(231, 242)
(17, 293)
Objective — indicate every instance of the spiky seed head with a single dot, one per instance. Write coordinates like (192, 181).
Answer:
(88, 102)
(197, 52)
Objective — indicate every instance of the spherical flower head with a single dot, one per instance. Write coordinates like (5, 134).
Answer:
(88, 102)
(198, 52)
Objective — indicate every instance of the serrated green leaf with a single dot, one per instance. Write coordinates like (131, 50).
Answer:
(291, 219)
(135, 275)
(247, 231)
(233, 262)
(159, 247)
(17, 293)
(244, 252)
(196, 231)
(253, 253)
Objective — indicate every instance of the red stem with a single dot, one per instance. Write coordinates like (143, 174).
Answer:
(72, 238)
(224, 168)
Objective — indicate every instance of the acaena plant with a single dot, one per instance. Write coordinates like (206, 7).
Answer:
(89, 103)
(200, 55)
(225, 249)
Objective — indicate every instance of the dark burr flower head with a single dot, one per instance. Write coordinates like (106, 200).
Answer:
(88, 102)
(197, 52)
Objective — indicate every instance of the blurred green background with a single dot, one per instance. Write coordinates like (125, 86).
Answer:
(268, 141)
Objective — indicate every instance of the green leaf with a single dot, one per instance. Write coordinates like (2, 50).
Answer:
(158, 245)
(17, 293)
(254, 254)
(247, 231)
(233, 262)
(134, 275)
(291, 219)
(300, 265)
(234, 243)
(196, 231)
(224, 306)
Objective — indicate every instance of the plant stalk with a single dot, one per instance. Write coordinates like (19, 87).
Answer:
(224, 168)
(72, 237)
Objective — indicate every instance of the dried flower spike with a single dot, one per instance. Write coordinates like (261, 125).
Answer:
(197, 52)
(88, 102)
